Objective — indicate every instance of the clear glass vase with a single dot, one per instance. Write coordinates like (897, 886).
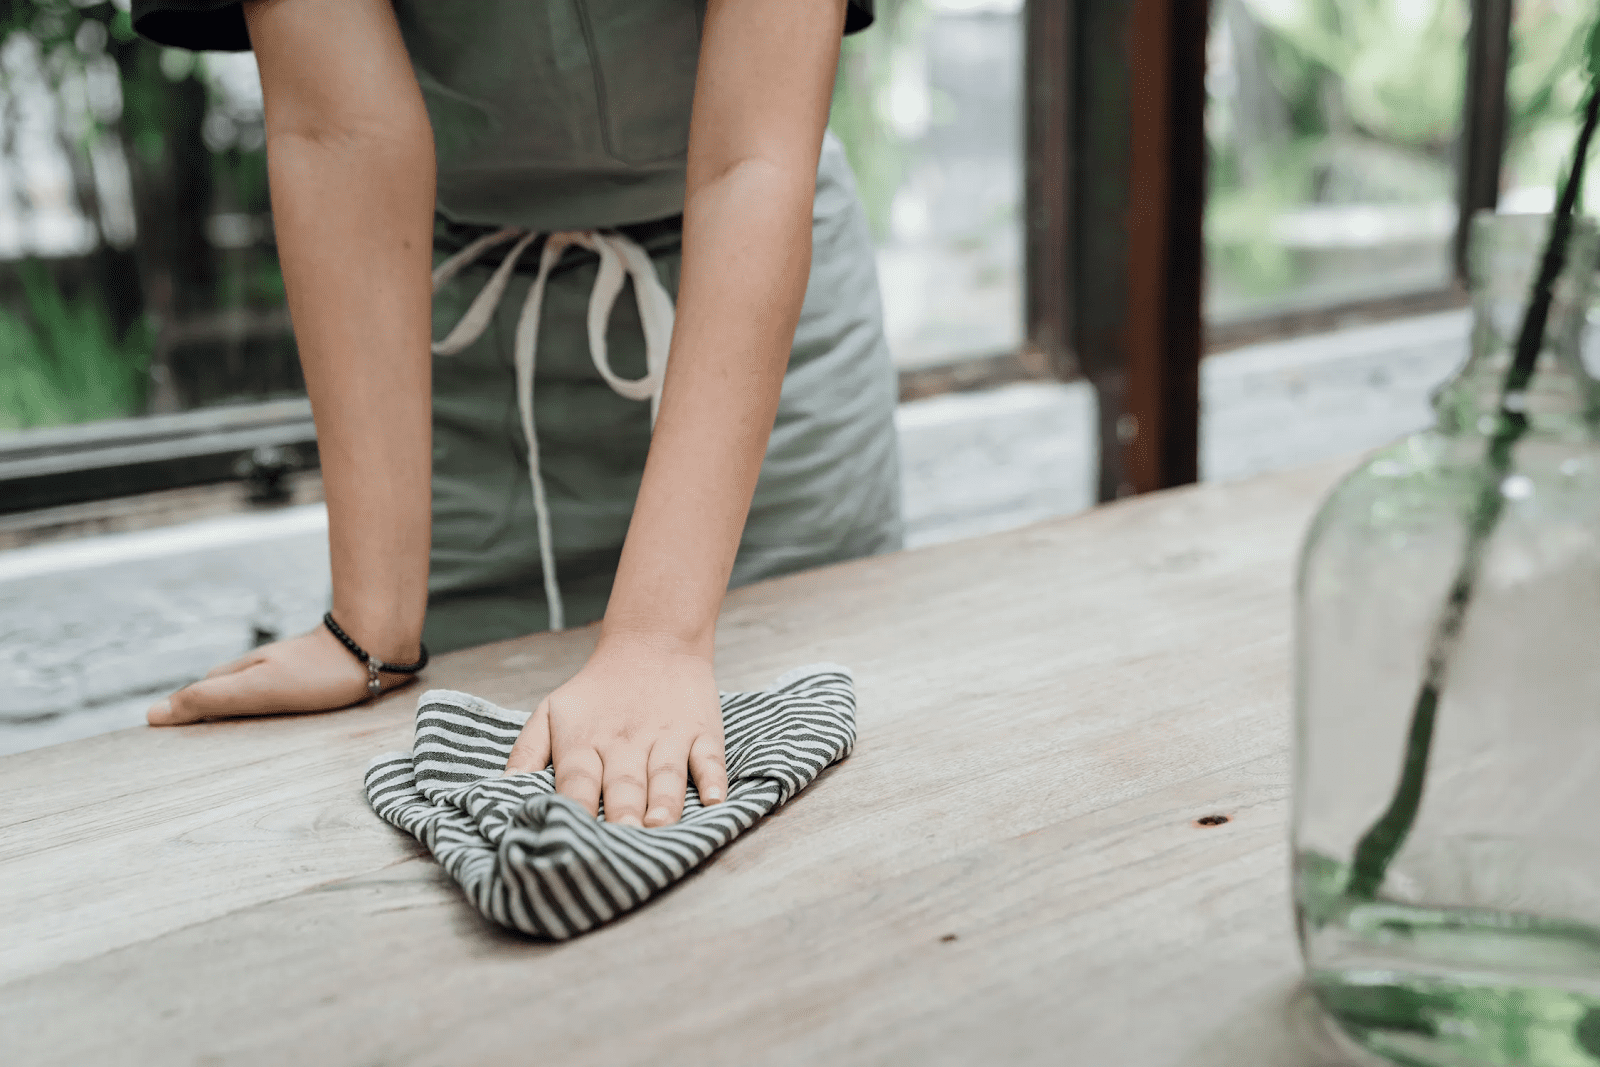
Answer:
(1476, 940)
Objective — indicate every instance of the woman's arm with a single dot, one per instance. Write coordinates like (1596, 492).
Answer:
(350, 157)
(761, 104)
(645, 707)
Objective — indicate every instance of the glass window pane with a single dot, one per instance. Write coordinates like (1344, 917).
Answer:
(137, 267)
(99, 132)
(1332, 128)
(1545, 90)
(928, 105)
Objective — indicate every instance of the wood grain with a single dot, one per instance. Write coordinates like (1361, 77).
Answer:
(1007, 870)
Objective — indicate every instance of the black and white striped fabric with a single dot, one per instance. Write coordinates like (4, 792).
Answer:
(538, 862)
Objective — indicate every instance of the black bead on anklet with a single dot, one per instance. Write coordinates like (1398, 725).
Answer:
(373, 664)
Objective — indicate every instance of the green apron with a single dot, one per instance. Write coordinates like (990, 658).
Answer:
(829, 488)
(584, 125)
(573, 115)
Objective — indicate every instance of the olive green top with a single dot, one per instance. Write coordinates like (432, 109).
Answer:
(547, 114)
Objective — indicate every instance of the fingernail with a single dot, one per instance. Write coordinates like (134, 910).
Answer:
(629, 820)
(657, 817)
(713, 794)
(159, 713)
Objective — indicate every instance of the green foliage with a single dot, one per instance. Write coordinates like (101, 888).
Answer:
(1359, 102)
(1239, 218)
(192, 153)
(63, 362)
(859, 115)
(1398, 68)
(1553, 48)
(1324, 103)
(1592, 48)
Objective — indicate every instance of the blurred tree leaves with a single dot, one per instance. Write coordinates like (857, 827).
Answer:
(1593, 49)
(65, 361)
(1330, 104)
(1398, 65)
(860, 116)
(158, 112)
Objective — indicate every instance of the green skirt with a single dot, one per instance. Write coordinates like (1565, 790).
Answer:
(830, 484)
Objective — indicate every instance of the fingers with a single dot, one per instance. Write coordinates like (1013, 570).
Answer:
(254, 690)
(306, 673)
(709, 766)
(532, 750)
(213, 698)
(234, 666)
(578, 777)
(668, 769)
(624, 786)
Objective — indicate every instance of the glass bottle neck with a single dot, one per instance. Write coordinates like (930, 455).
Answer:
(1561, 398)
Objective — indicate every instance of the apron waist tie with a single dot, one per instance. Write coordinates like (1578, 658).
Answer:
(620, 257)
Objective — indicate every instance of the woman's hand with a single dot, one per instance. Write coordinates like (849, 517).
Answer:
(644, 710)
(312, 672)
(350, 155)
(626, 729)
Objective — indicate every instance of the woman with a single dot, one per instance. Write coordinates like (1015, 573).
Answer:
(591, 457)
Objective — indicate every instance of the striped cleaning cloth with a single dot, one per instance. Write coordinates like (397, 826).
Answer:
(538, 862)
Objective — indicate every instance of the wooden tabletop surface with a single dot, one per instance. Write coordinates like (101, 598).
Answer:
(1008, 870)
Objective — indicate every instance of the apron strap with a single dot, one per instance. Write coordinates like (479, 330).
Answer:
(476, 320)
(620, 258)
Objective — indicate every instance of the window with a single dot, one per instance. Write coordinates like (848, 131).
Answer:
(929, 107)
(1334, 131)
(1335, 128)
(133, 209)
(1545, 88)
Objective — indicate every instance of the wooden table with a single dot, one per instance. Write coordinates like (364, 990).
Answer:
(1008, 870)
